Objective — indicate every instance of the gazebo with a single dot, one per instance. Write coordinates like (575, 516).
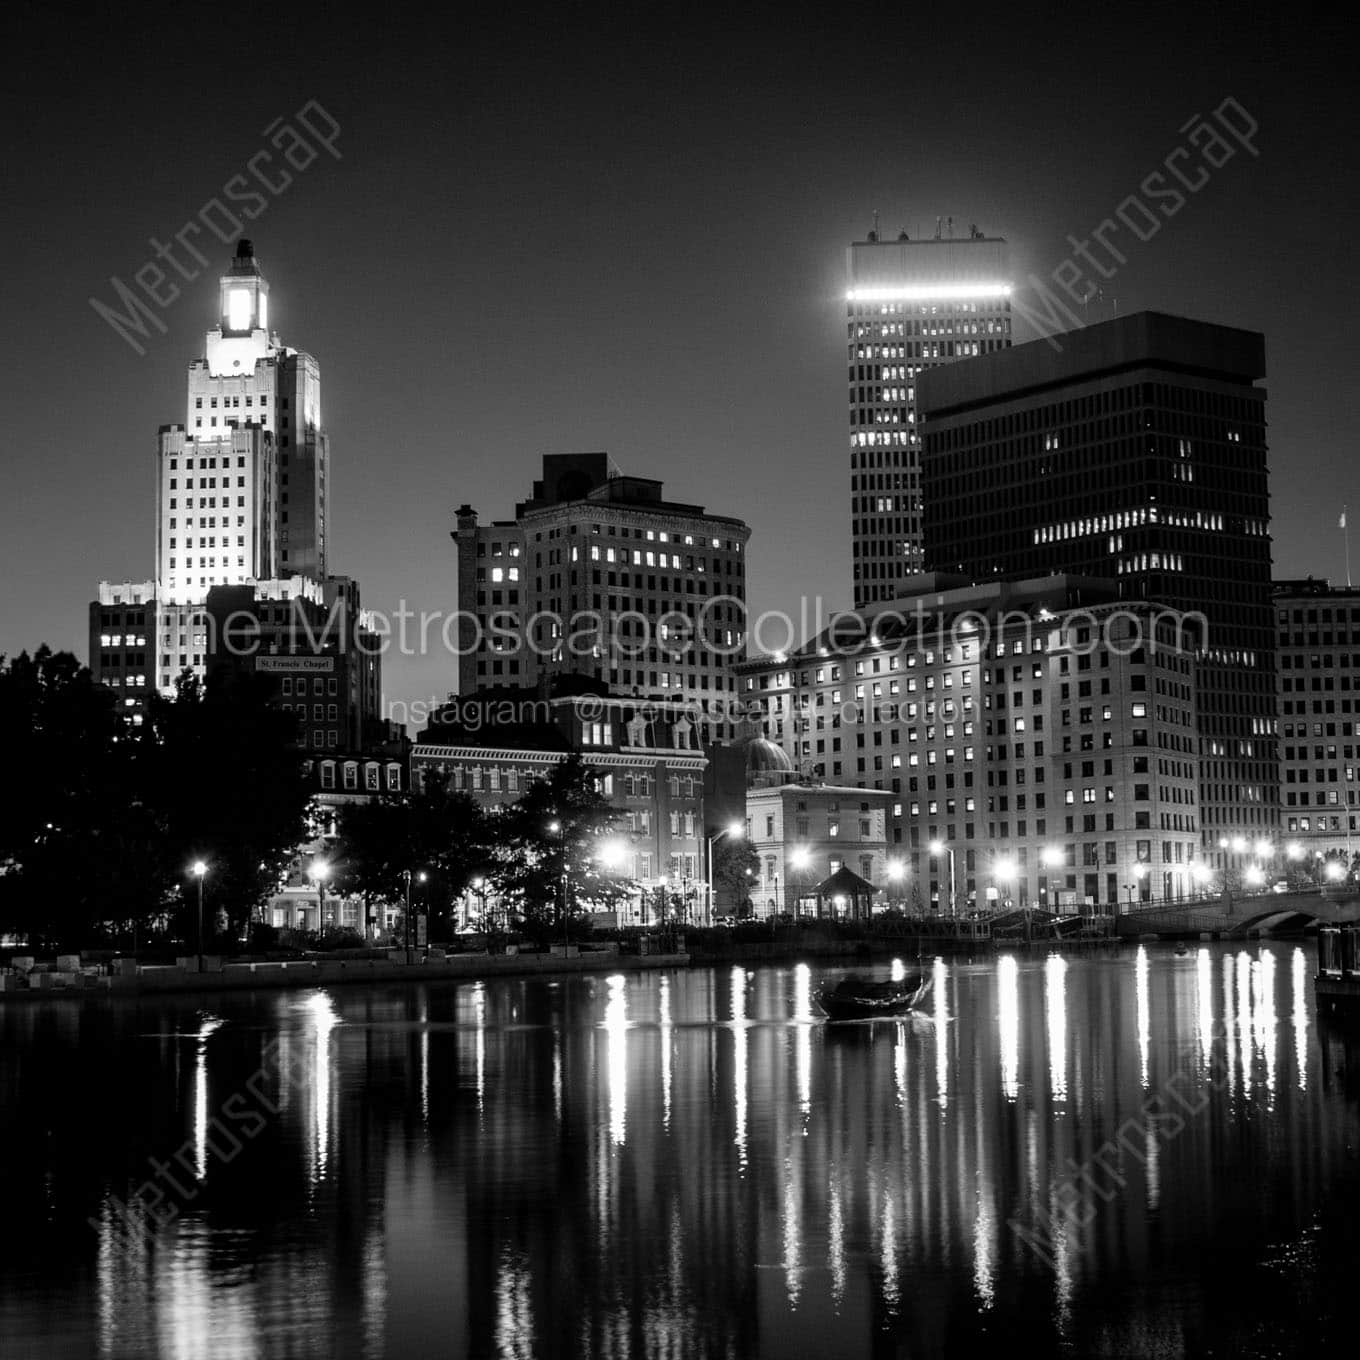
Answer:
(847, 884)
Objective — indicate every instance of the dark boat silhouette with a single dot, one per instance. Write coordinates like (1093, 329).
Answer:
(857, 998)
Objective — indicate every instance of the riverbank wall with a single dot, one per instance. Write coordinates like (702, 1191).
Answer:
(183, 978)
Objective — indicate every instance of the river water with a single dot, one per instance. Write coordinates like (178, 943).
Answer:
(1134, 1153)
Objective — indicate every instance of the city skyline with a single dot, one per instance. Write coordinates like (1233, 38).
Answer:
(705, 349)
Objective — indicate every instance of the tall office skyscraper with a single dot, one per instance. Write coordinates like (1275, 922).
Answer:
(1137, 452)
(910, 306)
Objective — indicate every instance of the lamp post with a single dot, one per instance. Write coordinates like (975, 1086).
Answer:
(1140, 872)
(557, 829)
(938, 848)
(199, 869)
(736, 830)
(800, 857)
(1051, 857)
(896, 870)
(420, 878)
(479, 887)
(319, 872)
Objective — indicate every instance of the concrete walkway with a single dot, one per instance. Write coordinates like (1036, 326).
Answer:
(244, 977)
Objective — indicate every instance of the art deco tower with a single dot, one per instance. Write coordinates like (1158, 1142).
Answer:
(243, 487)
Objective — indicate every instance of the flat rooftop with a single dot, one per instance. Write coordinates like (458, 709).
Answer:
(1139, 340)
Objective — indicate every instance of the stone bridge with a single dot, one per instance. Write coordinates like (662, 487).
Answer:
(1239, 914)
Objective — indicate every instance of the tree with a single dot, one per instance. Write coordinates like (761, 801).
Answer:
(430, 830)
(220, 765)
(79, 851)
(736, 869)
(550, 847)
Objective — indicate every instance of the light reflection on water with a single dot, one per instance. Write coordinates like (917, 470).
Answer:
(673, 1163)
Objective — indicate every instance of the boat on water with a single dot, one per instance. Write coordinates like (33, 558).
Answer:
(857, 998)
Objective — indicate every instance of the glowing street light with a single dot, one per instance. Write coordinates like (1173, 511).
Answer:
(1335, 870)
(800, 860)
(1201, 872)
(1294, 850)
(1254, 875)
(199, 869)
(1264, 849)
(611, 852)
(938, 848)
(735, 830)
(1052, 856)
(319, 872)
(1239, 845)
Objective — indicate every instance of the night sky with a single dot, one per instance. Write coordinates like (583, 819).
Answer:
(594, 230)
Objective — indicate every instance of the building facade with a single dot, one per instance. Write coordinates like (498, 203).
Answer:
(1136, 451)
(599, 576)
(122, 643)
(1040, 734)
(803, 833)
(910, 306)
(651, 769)
(1317, 632)
(243, 497)
(316, 647)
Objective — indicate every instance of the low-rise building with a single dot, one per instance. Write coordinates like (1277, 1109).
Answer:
(494, 744)
(803, 833)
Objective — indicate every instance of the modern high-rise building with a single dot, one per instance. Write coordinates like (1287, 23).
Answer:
(910, 306)
(1317, 635)
(1136, 450)
(599, 575)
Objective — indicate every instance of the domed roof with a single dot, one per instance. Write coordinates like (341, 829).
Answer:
(766, 757)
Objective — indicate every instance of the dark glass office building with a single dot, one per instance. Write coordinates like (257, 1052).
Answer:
(1134, 450)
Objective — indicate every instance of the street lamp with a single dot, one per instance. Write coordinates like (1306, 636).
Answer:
(1051, 857)
(1335, 871)
(1140, 872)
(800, 858)
(420, 878)
(1004, 871)
(736, 830)
(478, 886)
(319, 872)
(1254, 875)
(938, 848)
(557, 828)
(199, 869)
(896, 870)
(1201, 873)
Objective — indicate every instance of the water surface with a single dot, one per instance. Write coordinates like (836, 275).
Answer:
(1136, 1153)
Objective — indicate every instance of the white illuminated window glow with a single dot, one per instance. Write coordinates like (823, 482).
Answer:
(238, 309)
(920, 292)
(264, 310)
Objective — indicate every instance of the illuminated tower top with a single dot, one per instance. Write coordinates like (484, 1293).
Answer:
(241, 336)
(910, 305)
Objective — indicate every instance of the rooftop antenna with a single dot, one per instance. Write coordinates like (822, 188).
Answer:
(873, 234)
(938, 220)
(951, 228)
